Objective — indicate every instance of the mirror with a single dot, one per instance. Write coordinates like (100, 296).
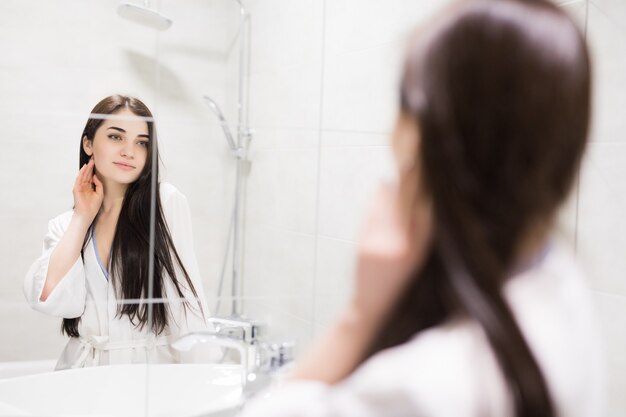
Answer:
(307, 90)
(51, 82)
(55, 78)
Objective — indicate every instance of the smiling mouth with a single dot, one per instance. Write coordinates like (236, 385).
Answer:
(124, 166)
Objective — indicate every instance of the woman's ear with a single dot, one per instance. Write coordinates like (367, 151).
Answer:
(87, 146)
(405, 143)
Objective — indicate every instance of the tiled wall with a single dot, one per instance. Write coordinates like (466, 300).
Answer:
(323, 87)
(281, 202)
(601, 224)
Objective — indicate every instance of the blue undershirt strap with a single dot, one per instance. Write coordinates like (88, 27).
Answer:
(95, 247)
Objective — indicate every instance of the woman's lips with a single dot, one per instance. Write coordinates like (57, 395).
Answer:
(123, 166)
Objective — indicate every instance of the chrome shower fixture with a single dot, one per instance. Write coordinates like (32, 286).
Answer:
(229, 137)
(144, 15)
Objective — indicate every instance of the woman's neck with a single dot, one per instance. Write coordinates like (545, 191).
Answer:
(113, 197)
(533, 247)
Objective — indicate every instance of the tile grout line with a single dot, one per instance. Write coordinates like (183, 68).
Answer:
(319, 165)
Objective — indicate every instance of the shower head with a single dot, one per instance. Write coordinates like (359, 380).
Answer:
(215, 108)
(144, 15)
(218, 112)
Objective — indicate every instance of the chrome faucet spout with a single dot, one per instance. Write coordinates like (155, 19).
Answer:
(188, 341)
(260, 361)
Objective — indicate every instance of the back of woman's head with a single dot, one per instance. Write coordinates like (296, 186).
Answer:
(499, 91)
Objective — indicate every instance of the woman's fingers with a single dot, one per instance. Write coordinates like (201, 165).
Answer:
(89, 171)
(79, 177)
(77, 180)
(98, 184)
(85, 174)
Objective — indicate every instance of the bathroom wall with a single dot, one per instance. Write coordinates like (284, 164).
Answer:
(58, 60)
(323, 97)
(601, 224)
(323, 88)
(322, 102)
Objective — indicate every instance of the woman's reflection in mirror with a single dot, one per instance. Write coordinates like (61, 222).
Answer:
(94, 271)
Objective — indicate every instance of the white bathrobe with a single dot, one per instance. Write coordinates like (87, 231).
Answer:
(450, 370)
(85, 292)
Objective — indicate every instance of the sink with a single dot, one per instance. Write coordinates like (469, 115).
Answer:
(157, 390)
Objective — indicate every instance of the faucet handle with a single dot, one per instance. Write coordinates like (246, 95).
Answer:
(248, 331)
(234, 332)
(258, 332)
(273, 356)
(272, 359)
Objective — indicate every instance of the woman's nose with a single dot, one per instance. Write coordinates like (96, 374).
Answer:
(127, 151)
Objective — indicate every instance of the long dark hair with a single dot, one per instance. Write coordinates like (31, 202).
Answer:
(130, 247)
(500, 94)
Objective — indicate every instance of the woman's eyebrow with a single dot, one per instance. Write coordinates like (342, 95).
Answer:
(123, 131)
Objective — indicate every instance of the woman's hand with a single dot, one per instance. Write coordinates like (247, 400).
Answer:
(393, 244)
(87, 202)
(88, 193)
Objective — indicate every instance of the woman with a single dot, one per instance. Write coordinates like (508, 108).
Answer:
(95, 268)
(466, 304)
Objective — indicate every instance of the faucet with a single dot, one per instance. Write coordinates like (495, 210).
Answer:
(271, 360)
(248, 331)
(186, 342)
(260, 360)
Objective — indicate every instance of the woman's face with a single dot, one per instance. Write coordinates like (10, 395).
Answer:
(119, 148)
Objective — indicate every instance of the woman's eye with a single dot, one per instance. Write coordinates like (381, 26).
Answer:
(115, 137)
(143, 143)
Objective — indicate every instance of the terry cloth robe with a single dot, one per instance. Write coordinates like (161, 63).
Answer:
(86, 292)
(451, 369)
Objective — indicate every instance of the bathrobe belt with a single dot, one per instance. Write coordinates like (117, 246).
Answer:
(92, 346)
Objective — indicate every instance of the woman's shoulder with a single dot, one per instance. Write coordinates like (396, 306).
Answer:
(169, 193)
(449, 347)
(459, 340)
(556, 285)
(554, 307)
(449, 358)
(174, 204)
(59, 224)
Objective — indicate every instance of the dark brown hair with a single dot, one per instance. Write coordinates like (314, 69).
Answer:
(130, 248)
(500, 92)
